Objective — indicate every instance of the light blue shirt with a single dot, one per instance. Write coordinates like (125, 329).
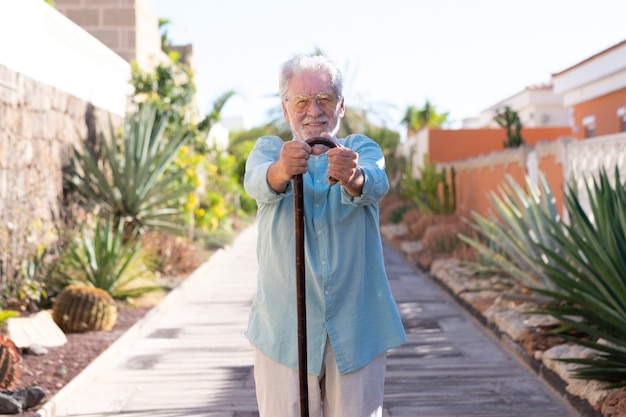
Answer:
(348, 295)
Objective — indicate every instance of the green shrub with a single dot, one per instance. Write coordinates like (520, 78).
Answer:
(105, 258)
(431, 192)
(513, 240)
(587, 264)
(136, 180)
(398, 213)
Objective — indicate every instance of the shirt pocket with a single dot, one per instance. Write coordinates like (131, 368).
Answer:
(347, 213)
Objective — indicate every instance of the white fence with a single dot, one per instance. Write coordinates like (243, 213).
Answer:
(583, 160)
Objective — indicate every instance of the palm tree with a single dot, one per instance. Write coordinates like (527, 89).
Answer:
(425, 117)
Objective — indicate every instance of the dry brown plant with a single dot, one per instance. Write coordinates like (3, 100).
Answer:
(169, 254)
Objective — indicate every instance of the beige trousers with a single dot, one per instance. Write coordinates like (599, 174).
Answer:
(355, 394)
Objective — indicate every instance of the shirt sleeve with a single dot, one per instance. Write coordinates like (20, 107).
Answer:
(372, 164)
(264, 153)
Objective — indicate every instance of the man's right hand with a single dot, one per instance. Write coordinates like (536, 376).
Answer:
(293, 160)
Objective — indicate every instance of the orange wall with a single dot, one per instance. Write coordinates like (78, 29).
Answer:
(475, 182)
(604, 109)
(553, 172)
(453, 145)
(475, 185)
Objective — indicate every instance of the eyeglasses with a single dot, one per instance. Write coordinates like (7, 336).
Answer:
(301, 102)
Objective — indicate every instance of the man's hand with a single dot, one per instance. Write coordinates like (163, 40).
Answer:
(293, 160)
(343, 166)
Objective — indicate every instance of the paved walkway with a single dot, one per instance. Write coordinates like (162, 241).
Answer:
(187, 356)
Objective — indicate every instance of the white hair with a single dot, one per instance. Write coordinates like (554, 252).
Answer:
(316, 63)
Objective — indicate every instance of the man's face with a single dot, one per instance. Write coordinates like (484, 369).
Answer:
(311, 107)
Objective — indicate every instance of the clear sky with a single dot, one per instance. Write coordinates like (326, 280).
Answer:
(462, 55)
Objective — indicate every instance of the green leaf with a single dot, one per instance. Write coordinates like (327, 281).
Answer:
(589, 270)
(515, 235)
(135, 178)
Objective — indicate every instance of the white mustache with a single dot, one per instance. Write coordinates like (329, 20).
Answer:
(321, 119)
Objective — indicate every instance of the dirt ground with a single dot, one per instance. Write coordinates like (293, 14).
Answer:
(60, 365)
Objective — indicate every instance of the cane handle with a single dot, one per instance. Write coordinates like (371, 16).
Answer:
(319, 140)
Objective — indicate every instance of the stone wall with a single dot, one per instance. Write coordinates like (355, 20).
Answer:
(39, 126)
(58, 83)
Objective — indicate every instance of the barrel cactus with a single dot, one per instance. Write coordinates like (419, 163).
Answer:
(80, 308)
(10, 363)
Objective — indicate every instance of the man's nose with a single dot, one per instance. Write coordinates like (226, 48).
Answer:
(314, 109)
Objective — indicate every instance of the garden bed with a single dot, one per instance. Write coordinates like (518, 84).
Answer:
(525, 335)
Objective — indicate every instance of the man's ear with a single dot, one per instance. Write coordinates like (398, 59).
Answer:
(285, 111)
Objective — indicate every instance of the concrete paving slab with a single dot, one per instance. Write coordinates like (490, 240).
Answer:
(188, 358)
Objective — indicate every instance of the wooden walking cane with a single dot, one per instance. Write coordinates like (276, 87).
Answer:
(298, 205)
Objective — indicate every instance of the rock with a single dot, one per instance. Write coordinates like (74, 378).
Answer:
(36, 349)
(480, 300)
(411, 246)
(592, 391)
(9, 405)
(614, 405)
(394, 231)
(37, 329)
(32, 396)
(507, 320)
(14, 402)
(541, 320)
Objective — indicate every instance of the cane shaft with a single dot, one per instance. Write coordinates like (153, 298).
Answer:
(298, 205)
(301, 295)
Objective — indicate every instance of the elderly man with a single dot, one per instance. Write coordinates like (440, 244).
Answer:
(352, 319)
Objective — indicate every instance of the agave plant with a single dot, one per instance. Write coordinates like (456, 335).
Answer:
(432, 192)
(105, 258)
(134, 180)
(588, 267)
(513, 240)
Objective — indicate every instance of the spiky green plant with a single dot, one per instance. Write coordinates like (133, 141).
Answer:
(105, 258)
(431, 191)
(134, 180)
(588, 267)
(512, 239)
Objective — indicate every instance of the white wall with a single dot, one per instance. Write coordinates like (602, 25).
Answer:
(41, 43)
(601, 74)
(537, 106)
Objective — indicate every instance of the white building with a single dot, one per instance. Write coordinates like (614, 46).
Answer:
(537, 106)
